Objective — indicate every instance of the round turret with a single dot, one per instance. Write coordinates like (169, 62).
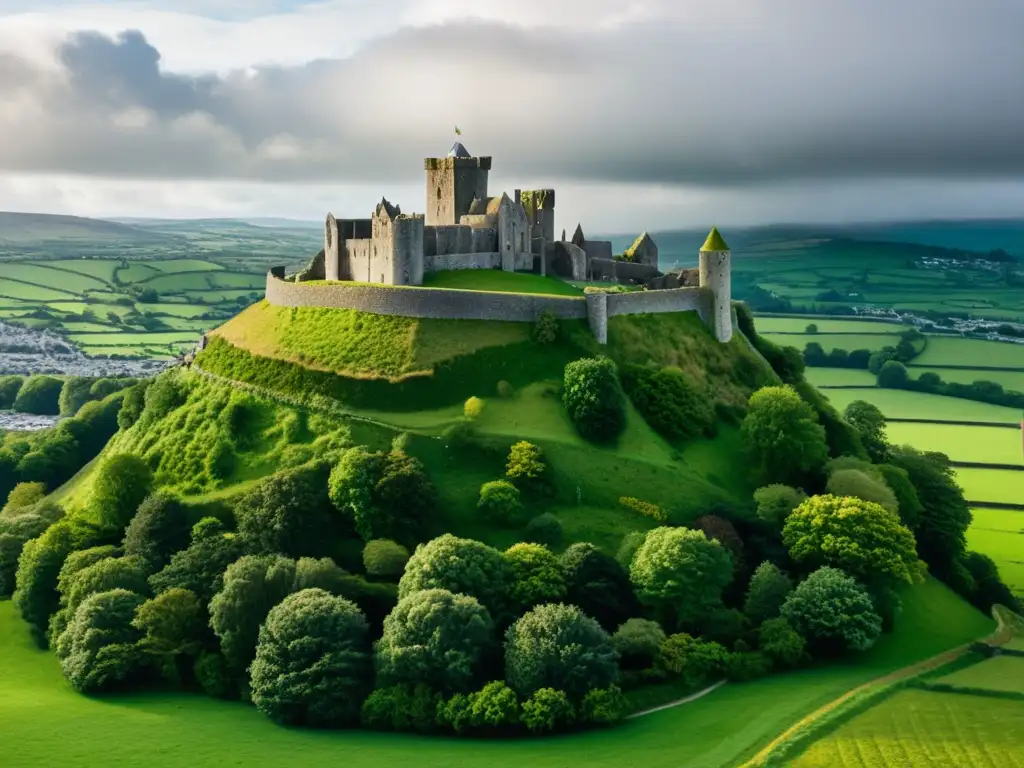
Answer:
(715, 275)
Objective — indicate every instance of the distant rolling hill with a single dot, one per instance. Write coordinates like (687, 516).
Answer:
(37, 229)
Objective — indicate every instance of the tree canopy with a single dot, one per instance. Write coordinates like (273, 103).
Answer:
(783, 435)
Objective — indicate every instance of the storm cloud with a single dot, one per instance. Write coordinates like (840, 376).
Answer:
(742, 93)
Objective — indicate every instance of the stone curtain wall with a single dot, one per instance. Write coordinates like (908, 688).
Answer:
(441, 303)
(450, 304)
(442, 262)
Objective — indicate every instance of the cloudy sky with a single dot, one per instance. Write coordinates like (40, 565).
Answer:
(643, 114)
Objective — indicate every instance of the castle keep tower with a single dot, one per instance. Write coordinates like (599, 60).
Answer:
(453, 182)
(715, 259)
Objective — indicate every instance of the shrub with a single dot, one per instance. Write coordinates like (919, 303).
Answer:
(594, 398)
(747, 666)
(547, 710)
(100, 645)
(830, 609)
(526, 464)
(644, 508)
(893, 375)
(724, 625)
(164, 395)
(558, 646)
(313, 665)
(494, 707)
(499, 502)
(73, 395)
(693, 661)
(101, 575)
(860, 537)
(199, 568)
(462, 566)
(133, 405)
(384, 559)
(598, 585)
(206, 528)
(535, 575)
(545, 330)
(122, 483)
(436, 638)
(173, 624)
(14, 533)
(637, 642)
(158, 530)
(853, 482)
(25, 495)
(669, 402)
(781, 643)
(252, 586)
(287, 513)
(681, 573)
(320, 573)
(40, 395)
(782, 434)
(604, 706)
(545, 529)
(630, 545)
(456, 713)
(402, 708)
(213, 676)
(385, 495)
(769, 587)
(473, 408)
(9, 388)
(505, 389)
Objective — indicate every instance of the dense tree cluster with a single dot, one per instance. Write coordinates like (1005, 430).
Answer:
(594, 398)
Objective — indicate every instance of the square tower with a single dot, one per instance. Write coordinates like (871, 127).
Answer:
(453, 182)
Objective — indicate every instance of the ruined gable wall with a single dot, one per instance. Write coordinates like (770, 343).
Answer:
(332, 249)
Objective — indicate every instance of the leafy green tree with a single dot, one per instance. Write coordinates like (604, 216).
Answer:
(436, 638)
(36, 596)
(101, 576)
(526, 465)
(25, 495)
(287, 513)
(909, 504)
(462, 566)
(320, 573)
(14, 533)
(768, 590)
(853, 482)
(598, 585)
(860, 537)
(669, 402)
(544, 529)
(594, 398)
(252, 586)
(164, 394)
(313, 665)
(604, 706)
(637, 642)
(536, 575)
(385, 495)
(100, 646)
(833, 611)
(40, 395)
(9, 388)
(384, 559)
(630, 545)
(870, 423)
(694, 661)
(680, 573)
(781, 643)
(558, 646)
(893, 375)
(499, 502)
(945, 516)
(776, 502)
(199, 568)
(74, 394)
(494, 707)
(133, 404)
(158, 530)
(782, 434)
(547, 710)
(122, 483)
(989, 588)
(173, 624)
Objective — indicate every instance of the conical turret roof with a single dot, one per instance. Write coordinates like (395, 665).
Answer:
(458, 150)
(715, 242)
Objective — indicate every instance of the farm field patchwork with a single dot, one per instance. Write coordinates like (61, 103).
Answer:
(999, 533)
(990, 445)
(830, 341)
(1001, 486)
(916, 728)
(770, 324)
(839, 377)
(903, 404)
(975, 353)
(1000, 673)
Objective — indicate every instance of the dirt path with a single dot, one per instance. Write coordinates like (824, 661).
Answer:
(999, 636)
(677, 702)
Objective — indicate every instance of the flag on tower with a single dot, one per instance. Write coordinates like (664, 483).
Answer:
(457, 131)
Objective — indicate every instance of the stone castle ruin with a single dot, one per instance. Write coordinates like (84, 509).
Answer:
(389, 253)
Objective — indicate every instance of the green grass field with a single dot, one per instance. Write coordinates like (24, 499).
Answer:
(920, 729)
(837, 377)
(898, 403)
(497, 280)
(999, 533)
(991, 445)
(977, 353)
(1000, 673)
(171, 729)
(769, 324)
(1003, 486)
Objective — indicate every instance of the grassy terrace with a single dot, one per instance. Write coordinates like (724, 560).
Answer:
(490, 280)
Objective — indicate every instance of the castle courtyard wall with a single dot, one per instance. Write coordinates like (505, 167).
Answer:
(483, 260)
